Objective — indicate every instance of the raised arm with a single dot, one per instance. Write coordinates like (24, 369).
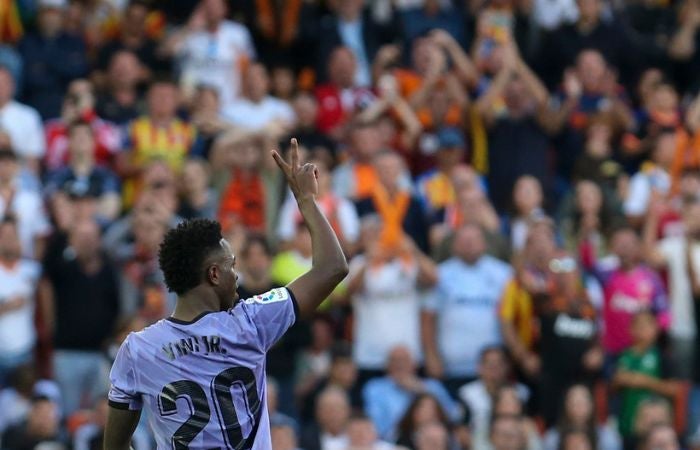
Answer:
(329, 265)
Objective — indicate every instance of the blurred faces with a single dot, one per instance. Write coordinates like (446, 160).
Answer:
(214, 12)
(664, 98)
(342, 67)
(662, 438)
(134, 22)
(283, 82)
(527, 195)
(333, 410)
(257, 82)
(283, 437)
(427, 410)
(423, 49)
(244, 154)
(400, 362)
(162, 101)
(432, 436)
(343, 372)
(507, 433)
(84, 239)
(365, 142)
(81, 144)
(10, 249)
(256, 260)
(650, 414)
(195, 176)
(124, 69)
(507, 402)
(540, 245)
(306, 110)
(589, 10)
(626, 246)
(589, 198)
(665, 149)
(577, 440)
(389, 167)
(43, 420)
(493, 368)
(50, 21)
(644, 329)
(8, 169)
(591, 67)
(469, 244)
(348, 9)
(361, 433)
(578, 405)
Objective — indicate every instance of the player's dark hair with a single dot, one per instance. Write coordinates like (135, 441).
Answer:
(184, 251)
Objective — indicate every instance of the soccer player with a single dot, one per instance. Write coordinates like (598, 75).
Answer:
(200, 373)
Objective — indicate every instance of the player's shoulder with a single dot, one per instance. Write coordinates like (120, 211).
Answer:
(279, 294)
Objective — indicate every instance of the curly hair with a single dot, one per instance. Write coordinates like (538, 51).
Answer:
(185, 249)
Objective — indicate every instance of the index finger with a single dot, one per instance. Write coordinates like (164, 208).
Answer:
(295, 154)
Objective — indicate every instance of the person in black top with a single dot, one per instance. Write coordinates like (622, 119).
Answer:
(82, 303)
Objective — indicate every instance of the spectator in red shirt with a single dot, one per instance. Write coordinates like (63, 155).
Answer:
(340, 97)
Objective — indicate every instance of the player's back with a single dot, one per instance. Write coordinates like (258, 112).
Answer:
(203, 382)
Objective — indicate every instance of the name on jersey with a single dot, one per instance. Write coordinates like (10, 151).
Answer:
(194, 344)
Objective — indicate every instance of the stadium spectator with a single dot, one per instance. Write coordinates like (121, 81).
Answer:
(332, 417)
(640, 371)
(283, 436)
(319, 144)
(52, 59)
(42, 428)
(82, 304)
(506, 433)
(205, 113)
(18, 280)
(340, 97)
(132, 36)
(197, 199)
(351, 26)
(257, 110)
(342, 373)
(340, 212)
(384, 285)
(662, 437)
(629, 288)
(465, 300)
(424, 410)
(21, 125)
(212, 50)
(578, 413)
(432, 436)
(82, 177)
(158, 135)
(478, 395)
(652, 412)
(671, 253)
(507, 402)
(514, 111)
(387, 399)
(356, 178)
(24, 205)
(398, 209)
(528, 207)
(118, 99)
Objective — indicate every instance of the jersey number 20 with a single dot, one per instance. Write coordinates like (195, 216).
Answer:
(220, 388)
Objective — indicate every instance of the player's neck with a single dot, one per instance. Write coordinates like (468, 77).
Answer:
(194, 303)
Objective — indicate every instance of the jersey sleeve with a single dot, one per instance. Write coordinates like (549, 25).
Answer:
(271, 313)
(122, 391)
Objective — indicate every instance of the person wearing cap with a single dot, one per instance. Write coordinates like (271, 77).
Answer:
(435, 187)
(52, 59)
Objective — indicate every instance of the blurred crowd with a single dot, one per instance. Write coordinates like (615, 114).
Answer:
(516, 184)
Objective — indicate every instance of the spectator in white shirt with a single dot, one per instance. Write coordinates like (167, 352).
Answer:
(384, 286)
(25, 205)
(18, 279)
(212, 50)
(20, 125)
(257, 110)
(460, 317)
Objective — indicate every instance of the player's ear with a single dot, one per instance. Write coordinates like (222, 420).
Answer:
(213, 274)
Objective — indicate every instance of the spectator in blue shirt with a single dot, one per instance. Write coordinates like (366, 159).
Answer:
(387, 399)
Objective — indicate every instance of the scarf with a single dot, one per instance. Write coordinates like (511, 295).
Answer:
(392, 213)
(243, 202)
